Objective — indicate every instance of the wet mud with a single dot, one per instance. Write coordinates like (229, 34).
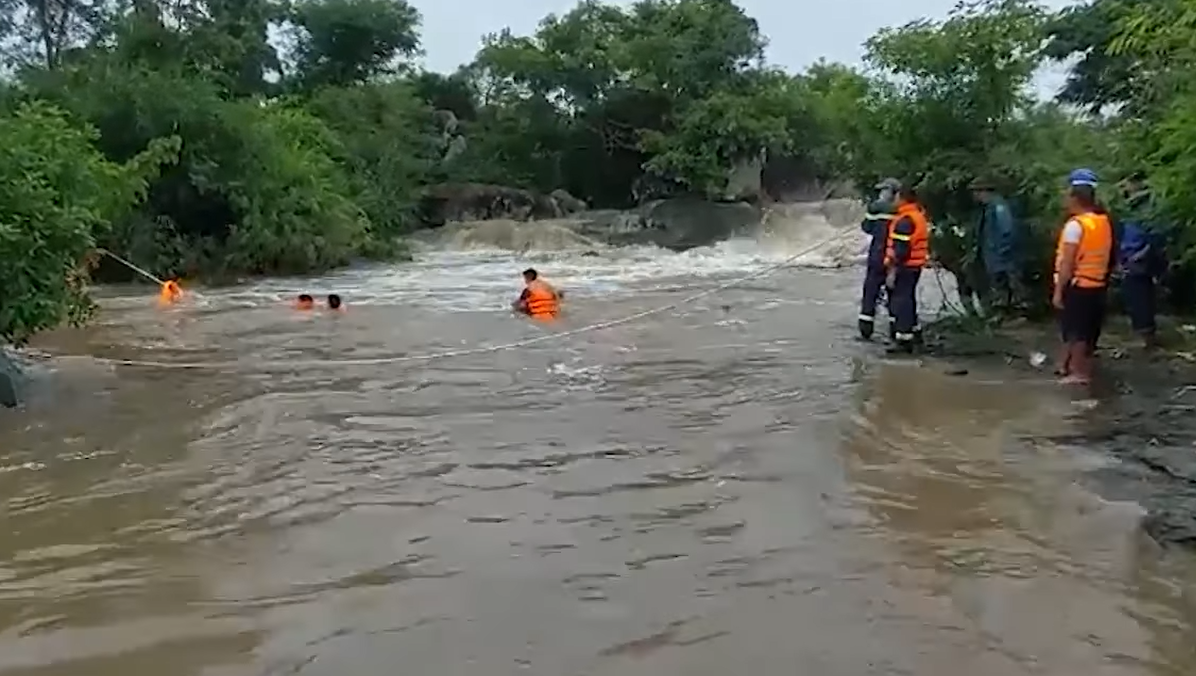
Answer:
(1140, 416)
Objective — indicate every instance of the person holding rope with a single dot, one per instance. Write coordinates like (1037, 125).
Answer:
(906, 252)
(876, 226)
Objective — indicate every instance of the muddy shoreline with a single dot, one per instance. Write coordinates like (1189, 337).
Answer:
(1140, 414)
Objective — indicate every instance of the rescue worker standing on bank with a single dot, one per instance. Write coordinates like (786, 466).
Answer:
(1083, 262)
(1141, 258)
(906, 253)
(876, 225)
(995, 272)
(538, 300)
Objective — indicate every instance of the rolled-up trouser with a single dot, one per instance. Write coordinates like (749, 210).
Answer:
(1138, 293)
(874, 283)
(903, 303)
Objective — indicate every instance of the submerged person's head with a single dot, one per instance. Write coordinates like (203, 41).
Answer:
(334, 302)
(305, 301)
(530, 275)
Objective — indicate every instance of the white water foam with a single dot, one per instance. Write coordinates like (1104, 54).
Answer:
(478, 277)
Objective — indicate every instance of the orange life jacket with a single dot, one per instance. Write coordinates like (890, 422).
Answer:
(1093, 254)
(170, 293)
(919, 241)
(542, 300)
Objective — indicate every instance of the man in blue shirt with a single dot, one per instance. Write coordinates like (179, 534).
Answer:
(1141, 257)
(876, 225)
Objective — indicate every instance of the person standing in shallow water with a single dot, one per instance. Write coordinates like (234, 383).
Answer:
(906, 253)
(1083, 261)
(876, 226)
(539, 300)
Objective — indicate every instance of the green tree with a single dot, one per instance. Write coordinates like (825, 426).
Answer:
(57, 192)
(343, 42)
(651, 86)
(1101, 76)
(388, 147)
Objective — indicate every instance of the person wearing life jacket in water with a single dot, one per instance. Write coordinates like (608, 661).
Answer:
(305, 302)
(538, 300)
(906, 252)
(171, 293)
(1083, 263)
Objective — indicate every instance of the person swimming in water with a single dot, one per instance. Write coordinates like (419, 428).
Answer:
(305, 302)
(539, 299)
(334, 303)
(170, 293)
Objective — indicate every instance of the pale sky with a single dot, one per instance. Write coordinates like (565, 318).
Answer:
(799, 31)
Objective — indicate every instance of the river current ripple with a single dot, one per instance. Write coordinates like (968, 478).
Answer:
(735, 486)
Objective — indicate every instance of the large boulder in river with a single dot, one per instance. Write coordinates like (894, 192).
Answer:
(447, 202)
(678, 224)
(568, 203)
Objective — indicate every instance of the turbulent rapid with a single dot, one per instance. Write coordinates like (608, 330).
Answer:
(729, 485)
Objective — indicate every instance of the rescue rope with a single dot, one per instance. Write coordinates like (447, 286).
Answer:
(483, 349)
(132, 267)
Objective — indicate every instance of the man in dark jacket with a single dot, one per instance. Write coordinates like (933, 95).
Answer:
(995, 273)
(876, 225)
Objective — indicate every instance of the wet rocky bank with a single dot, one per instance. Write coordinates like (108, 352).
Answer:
(1140, 414)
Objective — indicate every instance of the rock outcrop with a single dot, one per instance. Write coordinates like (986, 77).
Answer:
(678, 224)
(447, 202)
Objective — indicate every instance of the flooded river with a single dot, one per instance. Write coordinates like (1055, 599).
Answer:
(733, 486)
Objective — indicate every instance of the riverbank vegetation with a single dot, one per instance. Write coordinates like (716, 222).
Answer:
(211, 138)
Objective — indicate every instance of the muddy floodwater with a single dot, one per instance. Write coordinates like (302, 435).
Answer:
(734, 486)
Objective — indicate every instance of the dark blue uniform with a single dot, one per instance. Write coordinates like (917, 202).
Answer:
(1140, 253)
(903, 297)
(876, 226)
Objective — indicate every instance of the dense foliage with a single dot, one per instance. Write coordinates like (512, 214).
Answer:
(230, 137)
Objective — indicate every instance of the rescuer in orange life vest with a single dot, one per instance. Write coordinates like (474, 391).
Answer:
(906, 253)
(1083, 262)
(538, 300)
(170, 293)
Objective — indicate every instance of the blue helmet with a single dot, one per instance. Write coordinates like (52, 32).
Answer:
(1082, 177)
